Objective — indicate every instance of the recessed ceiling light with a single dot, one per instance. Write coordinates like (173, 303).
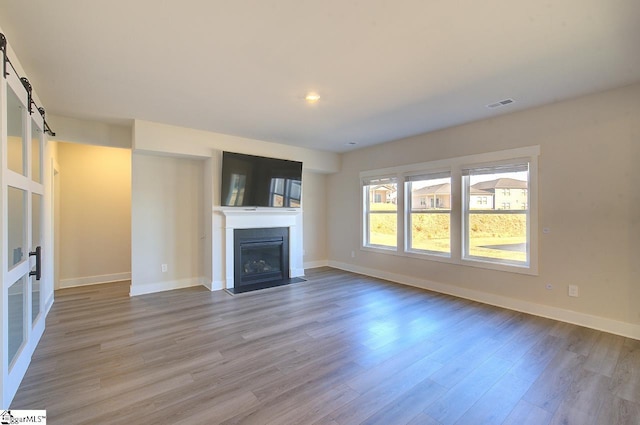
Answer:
(312, 97)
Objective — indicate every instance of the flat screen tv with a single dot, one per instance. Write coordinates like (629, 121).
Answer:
(257, 181)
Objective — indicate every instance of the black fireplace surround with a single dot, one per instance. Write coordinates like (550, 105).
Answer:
(261, 258)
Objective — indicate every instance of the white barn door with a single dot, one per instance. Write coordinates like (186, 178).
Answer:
(23, 219)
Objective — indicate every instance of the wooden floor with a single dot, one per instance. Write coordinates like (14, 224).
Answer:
(338, 349)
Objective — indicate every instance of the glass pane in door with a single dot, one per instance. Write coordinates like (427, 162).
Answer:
(36, 240)
(17, 225)
(16, 304)
(35, 299)
(16, 146)
(36, 220)
(36, 153)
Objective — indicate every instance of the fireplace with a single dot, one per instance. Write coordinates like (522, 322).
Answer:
(235, 221)
(261, 258)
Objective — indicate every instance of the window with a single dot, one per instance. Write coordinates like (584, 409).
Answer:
(428, 229)
(477, 210)
(381, 212)
(499, 235)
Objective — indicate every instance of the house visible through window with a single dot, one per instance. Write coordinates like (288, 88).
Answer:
(497, 234)
(428, 228)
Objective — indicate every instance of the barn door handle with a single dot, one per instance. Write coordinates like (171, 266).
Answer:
(38, 272)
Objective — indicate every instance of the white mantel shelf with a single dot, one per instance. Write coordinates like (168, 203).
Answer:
(230, 211)
(262, 217)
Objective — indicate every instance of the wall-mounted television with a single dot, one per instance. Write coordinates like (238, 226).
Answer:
(257, 181)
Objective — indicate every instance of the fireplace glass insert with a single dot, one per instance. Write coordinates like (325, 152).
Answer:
(261, 258)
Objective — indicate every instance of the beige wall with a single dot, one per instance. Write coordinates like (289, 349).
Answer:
(589, 190)
(168, 227)
(162, 139)
(314, 207)
(90, 132)
(95, 214)
(55, 195)
(172, 140)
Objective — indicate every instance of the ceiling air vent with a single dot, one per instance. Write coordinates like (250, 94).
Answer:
(500, 103)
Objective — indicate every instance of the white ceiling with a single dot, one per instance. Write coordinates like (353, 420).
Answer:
(385, 68)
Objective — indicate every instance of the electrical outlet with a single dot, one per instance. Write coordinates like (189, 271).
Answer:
(164, 268)
(353, 254)
(573, 290)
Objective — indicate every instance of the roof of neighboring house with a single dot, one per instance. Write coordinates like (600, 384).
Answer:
(476, 191)
(445, 189)
(436, 189)
(384, 187)
(502, 183)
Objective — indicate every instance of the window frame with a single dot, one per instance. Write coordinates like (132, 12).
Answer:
(365, 243)
(407, 179)
(505, 206)
(457, 216)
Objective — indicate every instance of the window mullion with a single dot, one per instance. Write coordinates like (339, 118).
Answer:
(457, 202)
(400, 209)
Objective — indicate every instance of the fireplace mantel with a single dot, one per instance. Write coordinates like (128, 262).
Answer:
(262, 217)
(244, 218)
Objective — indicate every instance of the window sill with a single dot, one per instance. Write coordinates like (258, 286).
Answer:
(511, 268)
(381, 249)
(468, 262)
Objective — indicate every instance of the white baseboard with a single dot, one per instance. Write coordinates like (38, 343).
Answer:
(206, 283)
(94, 280)
(587, 320)
(149, 288)
(218, 285)
(316, 264)
(296, 272)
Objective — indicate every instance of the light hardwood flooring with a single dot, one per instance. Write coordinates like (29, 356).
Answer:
(338, 349)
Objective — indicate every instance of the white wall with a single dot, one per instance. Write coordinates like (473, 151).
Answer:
(169, 139)
(54, 193)
(167, 215)
(589, 197)
(207, 220)
(90, 132)
(314, 206)
(95, 214)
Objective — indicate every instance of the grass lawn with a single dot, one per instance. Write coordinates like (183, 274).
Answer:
(430, 232)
